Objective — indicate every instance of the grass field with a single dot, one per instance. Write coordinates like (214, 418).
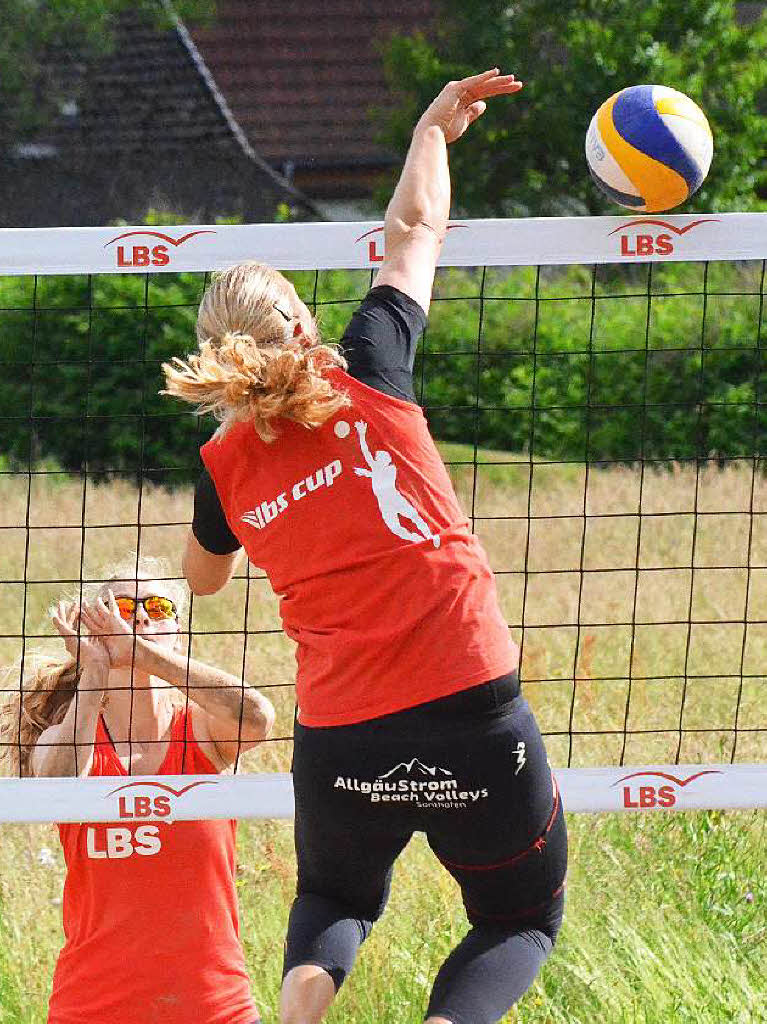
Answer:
(645, 633)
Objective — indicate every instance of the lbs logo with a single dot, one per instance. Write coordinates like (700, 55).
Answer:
(115, 842)
(375, 242)
(645, 796)
(646, 236)
(145, 254)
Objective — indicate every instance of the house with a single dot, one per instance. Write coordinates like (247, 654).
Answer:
(305, 80)
(263, 106)
(144, 127)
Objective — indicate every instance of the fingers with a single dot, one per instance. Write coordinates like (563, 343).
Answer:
(96, 612)
(90, 620)
(62, 627)
(66, 612)
(95, 616)
(480, 79)
(503, 86)
(489, 83)
(64, 618)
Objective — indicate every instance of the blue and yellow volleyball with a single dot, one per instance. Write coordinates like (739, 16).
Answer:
(649, 148)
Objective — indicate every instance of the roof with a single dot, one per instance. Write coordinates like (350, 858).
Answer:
(150, 95)
(302, 78)
(146, 91)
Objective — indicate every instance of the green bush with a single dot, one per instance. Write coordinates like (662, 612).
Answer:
(664, 363)
(84, 375)
(573, 364)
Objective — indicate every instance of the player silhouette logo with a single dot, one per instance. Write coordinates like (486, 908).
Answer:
(393, 505)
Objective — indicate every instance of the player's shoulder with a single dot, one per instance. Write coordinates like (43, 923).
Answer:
(388, 299)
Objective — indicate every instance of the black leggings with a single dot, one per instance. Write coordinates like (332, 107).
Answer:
(471, 772)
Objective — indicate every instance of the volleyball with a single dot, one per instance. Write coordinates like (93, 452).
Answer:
(649, 148)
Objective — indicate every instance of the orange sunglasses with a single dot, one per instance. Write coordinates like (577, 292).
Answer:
(155, 606)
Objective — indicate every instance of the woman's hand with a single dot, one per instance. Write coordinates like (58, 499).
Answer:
(461, 103)
(105, 622)
(88, 650)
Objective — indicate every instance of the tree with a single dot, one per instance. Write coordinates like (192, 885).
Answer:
(35, 31)
(526, 156)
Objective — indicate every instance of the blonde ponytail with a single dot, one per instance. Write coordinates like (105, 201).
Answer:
(250, 368)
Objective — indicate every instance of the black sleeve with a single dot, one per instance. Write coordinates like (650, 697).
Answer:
(209, 524)
(381, 340)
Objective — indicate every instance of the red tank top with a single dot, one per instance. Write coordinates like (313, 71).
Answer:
(150, 913)
(383, 586)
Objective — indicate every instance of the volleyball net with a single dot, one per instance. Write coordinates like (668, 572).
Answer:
(597, 389)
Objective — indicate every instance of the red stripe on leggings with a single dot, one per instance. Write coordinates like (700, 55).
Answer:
(538, 845)
(527, 912)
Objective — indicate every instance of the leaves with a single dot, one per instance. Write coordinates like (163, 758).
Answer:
(525, 156)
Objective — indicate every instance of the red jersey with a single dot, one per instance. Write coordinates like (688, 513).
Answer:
(383, 586)
(150, 913)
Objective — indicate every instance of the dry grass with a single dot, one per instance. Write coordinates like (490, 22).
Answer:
(631, 625)
(671, 888)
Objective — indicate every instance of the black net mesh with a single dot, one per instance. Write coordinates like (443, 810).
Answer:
(604, 428)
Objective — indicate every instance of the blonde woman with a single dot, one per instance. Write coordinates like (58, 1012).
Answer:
(409, 711)
(150, 911)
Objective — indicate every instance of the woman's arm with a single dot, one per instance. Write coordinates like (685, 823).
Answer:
(66, 749)
(361, 428)
(206, 572)
(238, 716)
(417, 216)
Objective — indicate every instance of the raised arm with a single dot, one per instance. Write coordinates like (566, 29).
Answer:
(417, 216)
(361, 428)
(66, 749)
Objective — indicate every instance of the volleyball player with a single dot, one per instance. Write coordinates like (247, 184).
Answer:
(409, 711)
(150, 908)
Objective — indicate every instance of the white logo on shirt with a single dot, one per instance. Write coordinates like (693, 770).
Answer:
(393, 505)
(382, 473)
(122, 842)
(266, 511)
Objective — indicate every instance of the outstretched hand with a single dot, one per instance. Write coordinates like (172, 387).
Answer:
(461, 103)
(84, 649)
(103, 620)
